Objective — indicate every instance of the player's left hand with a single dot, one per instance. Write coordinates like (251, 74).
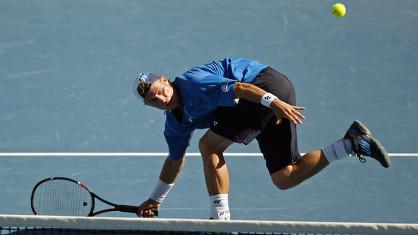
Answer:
(148, 209)
(284, 110)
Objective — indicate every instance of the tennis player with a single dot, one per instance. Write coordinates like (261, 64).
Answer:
(239, 100)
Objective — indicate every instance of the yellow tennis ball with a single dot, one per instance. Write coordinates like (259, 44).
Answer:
(338, 9)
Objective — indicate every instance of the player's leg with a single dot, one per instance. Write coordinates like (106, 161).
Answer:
(295, 173)
(287, 168)
(239, 124)
(357, 140)
(211, 148)
(278, 143)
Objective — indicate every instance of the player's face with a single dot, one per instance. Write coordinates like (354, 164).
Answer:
(160, 95)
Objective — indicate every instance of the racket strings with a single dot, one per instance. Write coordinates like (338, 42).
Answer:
(62, 197)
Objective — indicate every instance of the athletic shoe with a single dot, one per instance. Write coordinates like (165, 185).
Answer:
(364, 144)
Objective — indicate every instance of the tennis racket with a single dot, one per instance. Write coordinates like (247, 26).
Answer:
(69, 197)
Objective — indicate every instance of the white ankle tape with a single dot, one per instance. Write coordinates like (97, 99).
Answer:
(335, 151)
(267, 98)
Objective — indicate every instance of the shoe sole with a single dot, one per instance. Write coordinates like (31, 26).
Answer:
(379, 152)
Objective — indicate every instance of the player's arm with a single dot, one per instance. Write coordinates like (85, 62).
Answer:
(171, 169)
(169, 173)
(257, 95)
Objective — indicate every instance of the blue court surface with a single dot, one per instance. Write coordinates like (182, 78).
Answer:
(67, 67)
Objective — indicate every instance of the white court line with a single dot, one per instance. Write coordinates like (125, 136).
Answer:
(142, 154)
(233, 208)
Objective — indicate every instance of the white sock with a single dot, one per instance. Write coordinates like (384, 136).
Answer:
(219, 207)
(338, 150)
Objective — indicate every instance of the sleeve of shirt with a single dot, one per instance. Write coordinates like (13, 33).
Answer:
(219, 89)
(177, 143)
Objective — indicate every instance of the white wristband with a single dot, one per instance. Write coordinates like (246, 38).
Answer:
(160, 191)
(267, 99)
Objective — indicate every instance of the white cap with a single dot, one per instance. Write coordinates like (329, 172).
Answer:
(143, 78)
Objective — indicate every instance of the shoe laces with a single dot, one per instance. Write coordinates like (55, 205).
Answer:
(363, 147)
(361, 158)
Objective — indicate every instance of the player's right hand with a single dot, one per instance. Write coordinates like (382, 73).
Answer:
(282, 109)
(148, 209)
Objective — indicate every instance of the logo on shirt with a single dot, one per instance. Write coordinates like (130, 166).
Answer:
(225, 87)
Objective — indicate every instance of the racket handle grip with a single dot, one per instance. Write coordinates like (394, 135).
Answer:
(127, 208)
(131, 209)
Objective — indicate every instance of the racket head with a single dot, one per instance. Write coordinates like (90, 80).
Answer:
(62, 196)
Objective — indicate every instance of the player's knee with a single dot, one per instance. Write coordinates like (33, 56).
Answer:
(281, 179)
(203, 146)
(281, 184)
(206, 147)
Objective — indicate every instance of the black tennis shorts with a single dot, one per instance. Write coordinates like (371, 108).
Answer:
(247, 120)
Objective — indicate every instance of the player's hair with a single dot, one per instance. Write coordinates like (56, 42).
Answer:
(143, 89)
